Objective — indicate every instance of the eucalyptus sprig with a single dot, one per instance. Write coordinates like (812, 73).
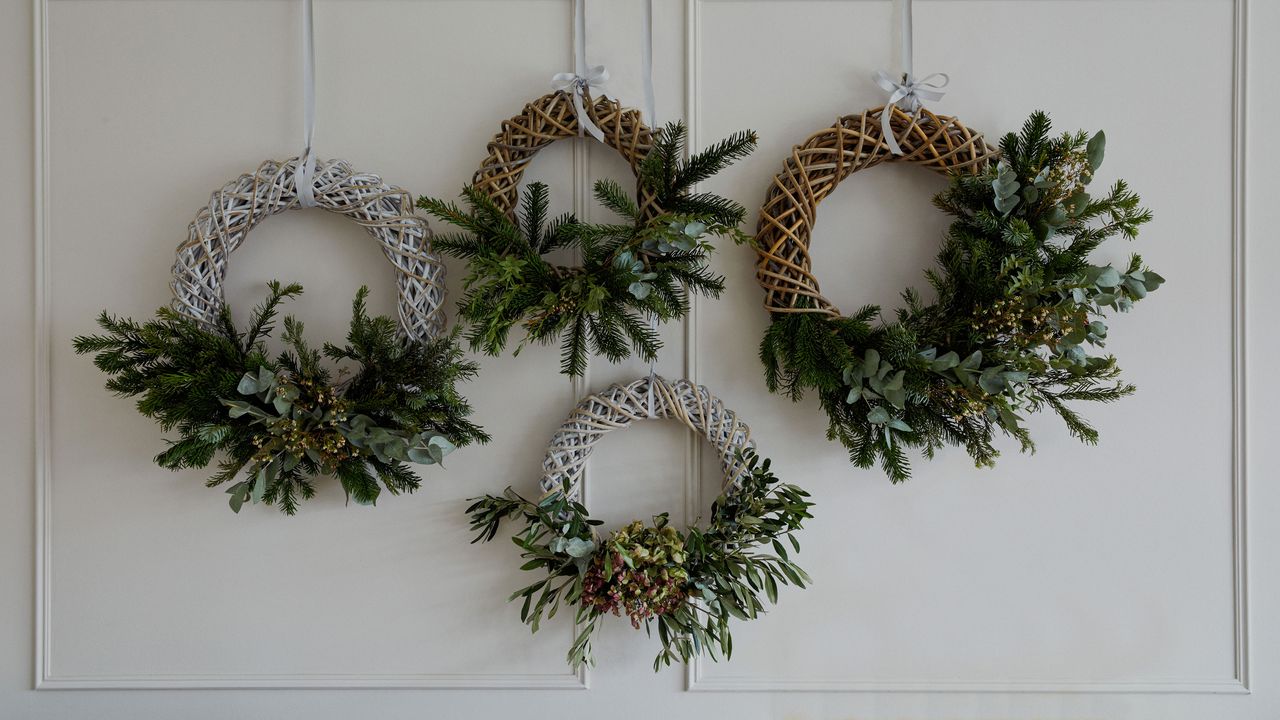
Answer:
(690, 585)
(642, 267)
(280, 421)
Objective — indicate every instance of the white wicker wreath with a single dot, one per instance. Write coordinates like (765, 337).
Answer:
(385, 211)
(691, 584)
(620, 405)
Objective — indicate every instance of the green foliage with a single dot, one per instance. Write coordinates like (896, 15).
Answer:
(1019, 308)
(280, 421)
(690, 585)
(638, 268)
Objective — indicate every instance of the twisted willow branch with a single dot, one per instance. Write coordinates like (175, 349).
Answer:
(385, 211)
(621, 405)
(551, 118)
(814, 169)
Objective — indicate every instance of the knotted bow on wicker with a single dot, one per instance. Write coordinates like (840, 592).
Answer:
(579, 87)
(814, 169)
(385, 211)
(621, 405)
(550, 118)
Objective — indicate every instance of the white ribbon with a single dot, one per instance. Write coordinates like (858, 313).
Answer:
(646, 65)
(907, 94)
(653, 325)
(304, 176)
(646, 71)
(583, 79)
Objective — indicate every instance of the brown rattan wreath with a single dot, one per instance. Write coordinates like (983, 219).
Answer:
(550, 118)
(783, 267)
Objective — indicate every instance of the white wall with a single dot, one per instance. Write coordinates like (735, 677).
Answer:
(1120, 581)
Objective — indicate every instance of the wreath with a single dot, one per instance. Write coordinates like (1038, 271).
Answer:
(278, 421)
(643, 266)
(690, 585)
(1019, 306)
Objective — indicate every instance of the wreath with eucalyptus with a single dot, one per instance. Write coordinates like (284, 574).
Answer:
(1018, 309)
(279, 420)
(691, 585)
(642, 267)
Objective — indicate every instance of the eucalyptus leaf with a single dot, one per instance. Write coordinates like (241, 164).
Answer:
(1138, 289)
(239, 493)
(878, 415)
(946, 362)
(899, 425)
(1095, 150)
(870, 362)
(260, 485)
(991, 381)
(896, 396)
(578, 548)
(248, 384)
(1109, 277)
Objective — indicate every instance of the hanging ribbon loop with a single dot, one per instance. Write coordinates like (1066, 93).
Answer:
(650, 111)
(908, 94)
(583, 80)
(653, 325)
(304, 175)
(646, 66)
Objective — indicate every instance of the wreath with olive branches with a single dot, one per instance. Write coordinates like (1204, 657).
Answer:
(1019, 304)
(640, 268)
(690, 585)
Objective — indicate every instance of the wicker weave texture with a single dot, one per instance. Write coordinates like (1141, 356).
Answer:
(814, 169)
(385, 211)
(551, 118)
(621, 405)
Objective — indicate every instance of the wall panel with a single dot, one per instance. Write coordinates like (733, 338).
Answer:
(1070, 598)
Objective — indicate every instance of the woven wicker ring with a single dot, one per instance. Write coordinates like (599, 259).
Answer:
(550, 118)
(621, 405)
(385, 211)
(815, 167)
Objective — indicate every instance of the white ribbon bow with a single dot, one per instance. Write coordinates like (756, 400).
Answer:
(578, 85)
(906, 96)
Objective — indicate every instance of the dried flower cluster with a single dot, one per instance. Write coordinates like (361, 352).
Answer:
(639, 571)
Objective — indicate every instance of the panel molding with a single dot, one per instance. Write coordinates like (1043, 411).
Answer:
(696, 679)
(44, 677)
